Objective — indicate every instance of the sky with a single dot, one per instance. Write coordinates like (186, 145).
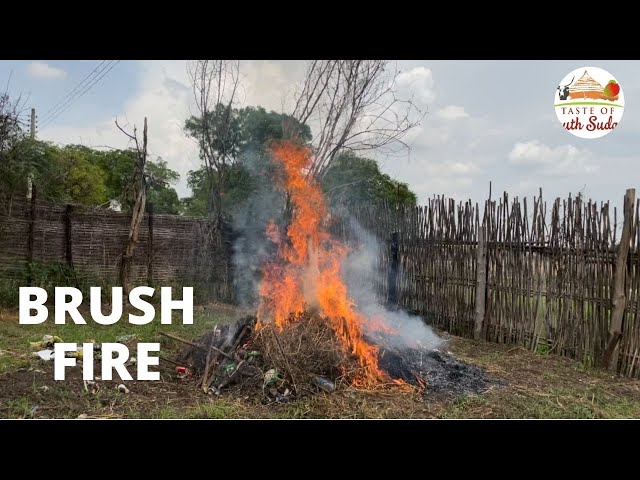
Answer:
(484, 120)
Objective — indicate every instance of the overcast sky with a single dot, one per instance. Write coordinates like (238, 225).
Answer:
(486, 121)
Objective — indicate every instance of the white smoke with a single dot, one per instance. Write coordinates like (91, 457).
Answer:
(251, 247)
(358, 271)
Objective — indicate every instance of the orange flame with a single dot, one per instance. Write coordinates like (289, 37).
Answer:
(306, 273)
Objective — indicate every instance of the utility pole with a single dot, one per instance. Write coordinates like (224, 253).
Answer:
(33, 124)
(33, 137)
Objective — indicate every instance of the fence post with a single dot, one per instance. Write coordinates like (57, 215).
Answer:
(150, 244)
(31, 235)
(392, 293)
(68, 237)
(481, 282)
(618, 300)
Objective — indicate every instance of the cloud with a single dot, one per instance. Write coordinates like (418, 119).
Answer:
(417, 83)
(562, 160)
(452, 112)
(466, 139)
(451, 168)
(44, 70)
(163, 94)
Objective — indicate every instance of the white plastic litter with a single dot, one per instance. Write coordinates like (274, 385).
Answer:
(45, 355)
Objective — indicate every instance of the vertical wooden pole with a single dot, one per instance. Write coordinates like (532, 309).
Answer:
(392, 294)
(481, 282)
(68, 243)
(150, 245)
(31, 235)
(618, 300)
(137, 213)
(68, 254)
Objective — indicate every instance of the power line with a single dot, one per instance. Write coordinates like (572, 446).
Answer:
(99, 74)
(78, 85)
(84, 91)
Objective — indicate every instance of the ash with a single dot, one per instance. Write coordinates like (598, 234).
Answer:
(438, 371)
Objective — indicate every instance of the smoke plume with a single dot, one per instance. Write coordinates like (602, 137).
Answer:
(255, 246)
(360, 267)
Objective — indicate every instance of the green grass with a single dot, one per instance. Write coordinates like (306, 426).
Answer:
(15, 350)
(18, 408)
(534, 384)
(560, 402)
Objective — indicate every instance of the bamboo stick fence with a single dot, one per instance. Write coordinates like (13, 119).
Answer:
(526, 272)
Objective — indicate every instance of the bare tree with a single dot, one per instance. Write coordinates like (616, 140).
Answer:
(11, 125)
(215, 86)
(14, 168)
(140, 199)
(355, 105)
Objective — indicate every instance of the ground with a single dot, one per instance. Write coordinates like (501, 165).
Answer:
(532, 385)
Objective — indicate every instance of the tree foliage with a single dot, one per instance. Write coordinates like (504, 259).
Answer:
(82, 175)
(254, 130)
(352, 179)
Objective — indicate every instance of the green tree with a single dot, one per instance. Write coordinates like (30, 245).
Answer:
(66, 174)
(118, 166)
(23, 158)
(78, 179)
(260, 127)
(352, 179)
(255, 128)
(218, 133)
(160, 192)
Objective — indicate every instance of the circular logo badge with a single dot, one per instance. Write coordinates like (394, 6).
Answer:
(589, 102)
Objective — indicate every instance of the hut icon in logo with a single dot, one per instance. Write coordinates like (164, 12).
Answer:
(587, 88)
(589, 102)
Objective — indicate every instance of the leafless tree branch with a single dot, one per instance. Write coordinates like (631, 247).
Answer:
(356, 106)
(215, 85)
(12, 126)
(139, 203)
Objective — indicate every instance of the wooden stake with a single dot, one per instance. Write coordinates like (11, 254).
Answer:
(610, 358)
(481, 282)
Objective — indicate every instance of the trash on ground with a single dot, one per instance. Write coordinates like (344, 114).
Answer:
(46, 342)
(77, 354)
(308, 357)
(271, 376)
(324, 384)
(123, 389)
(45, 355)
(90, 386)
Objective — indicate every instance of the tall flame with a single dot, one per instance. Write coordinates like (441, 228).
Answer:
(306, 272)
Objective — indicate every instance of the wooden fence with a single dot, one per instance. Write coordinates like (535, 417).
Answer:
(551, 276)
(89, 242)
(532, 273)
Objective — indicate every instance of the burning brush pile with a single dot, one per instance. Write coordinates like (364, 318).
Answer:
(309, 334)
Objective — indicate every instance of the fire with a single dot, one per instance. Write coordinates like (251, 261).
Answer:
(306, 272)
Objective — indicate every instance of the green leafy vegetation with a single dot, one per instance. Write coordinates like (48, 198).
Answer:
(82, 175)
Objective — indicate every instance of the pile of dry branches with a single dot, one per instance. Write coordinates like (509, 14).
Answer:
(307, 354)
(302, 359)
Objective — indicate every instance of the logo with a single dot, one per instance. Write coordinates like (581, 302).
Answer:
(589, 102)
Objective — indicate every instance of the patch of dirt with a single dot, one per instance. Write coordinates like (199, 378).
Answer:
(33, 393)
